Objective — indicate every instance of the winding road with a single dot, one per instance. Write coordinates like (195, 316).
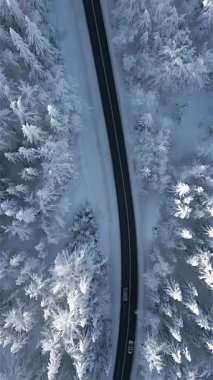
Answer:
(129, 275)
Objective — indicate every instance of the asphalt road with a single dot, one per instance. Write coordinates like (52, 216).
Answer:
(129, 275)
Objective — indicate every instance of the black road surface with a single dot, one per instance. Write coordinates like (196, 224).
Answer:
(129, 276)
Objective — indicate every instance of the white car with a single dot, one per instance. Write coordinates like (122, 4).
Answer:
(125, 294)
(130, 347)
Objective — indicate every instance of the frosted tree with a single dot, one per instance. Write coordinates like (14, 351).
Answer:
(19, 319)
(17, 190)
(16, 326)
(185, 233)
(186, 353)
(25, 110)
(174, 349)
(32, 133)
(175, 325)
(27, 215)
(162, 142)
(29, 173)
(182, 211)
(192, 305)
(203, 321)
(152, 353)
(41, 45)
(58, 166)
(4, 263)
(17, 228)
(28, 154)
(172, 288)
(25, 53)
(166, 308)
(16, 260)
(202, 261)
(54, 364)
(151, 151)
(16, 11)
(36, 287)
(206, 273)
(175, 71)
(5, 14)
(27, 270)
(46, 198)
(144, 147)
(9, 207)
(8, 122)
(181, 189)
(126, 18)
(175, 332)
(55, 121)
(209, 232)
(190, 289)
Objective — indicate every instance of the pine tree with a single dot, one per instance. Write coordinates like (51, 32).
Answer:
(15, 11)
(152, 353)
(127, 20)
(20, 229)
(26, 54)
(41, 45)
(54, 364)
(27, 215)
(172, 288)
(32, 133)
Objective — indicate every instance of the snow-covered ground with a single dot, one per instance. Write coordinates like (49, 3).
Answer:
(95, 183)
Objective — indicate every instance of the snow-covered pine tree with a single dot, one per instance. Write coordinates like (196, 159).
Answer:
(26, 54)
(35, 39)
(15, 12)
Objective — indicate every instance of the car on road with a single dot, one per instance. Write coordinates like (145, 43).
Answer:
(125, 294)
(130, 347)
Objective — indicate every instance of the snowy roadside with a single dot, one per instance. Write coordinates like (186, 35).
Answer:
(95, 183)
(146, 210)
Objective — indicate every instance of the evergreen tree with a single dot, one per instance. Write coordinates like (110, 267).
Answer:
(26, 54)
(41, 45)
